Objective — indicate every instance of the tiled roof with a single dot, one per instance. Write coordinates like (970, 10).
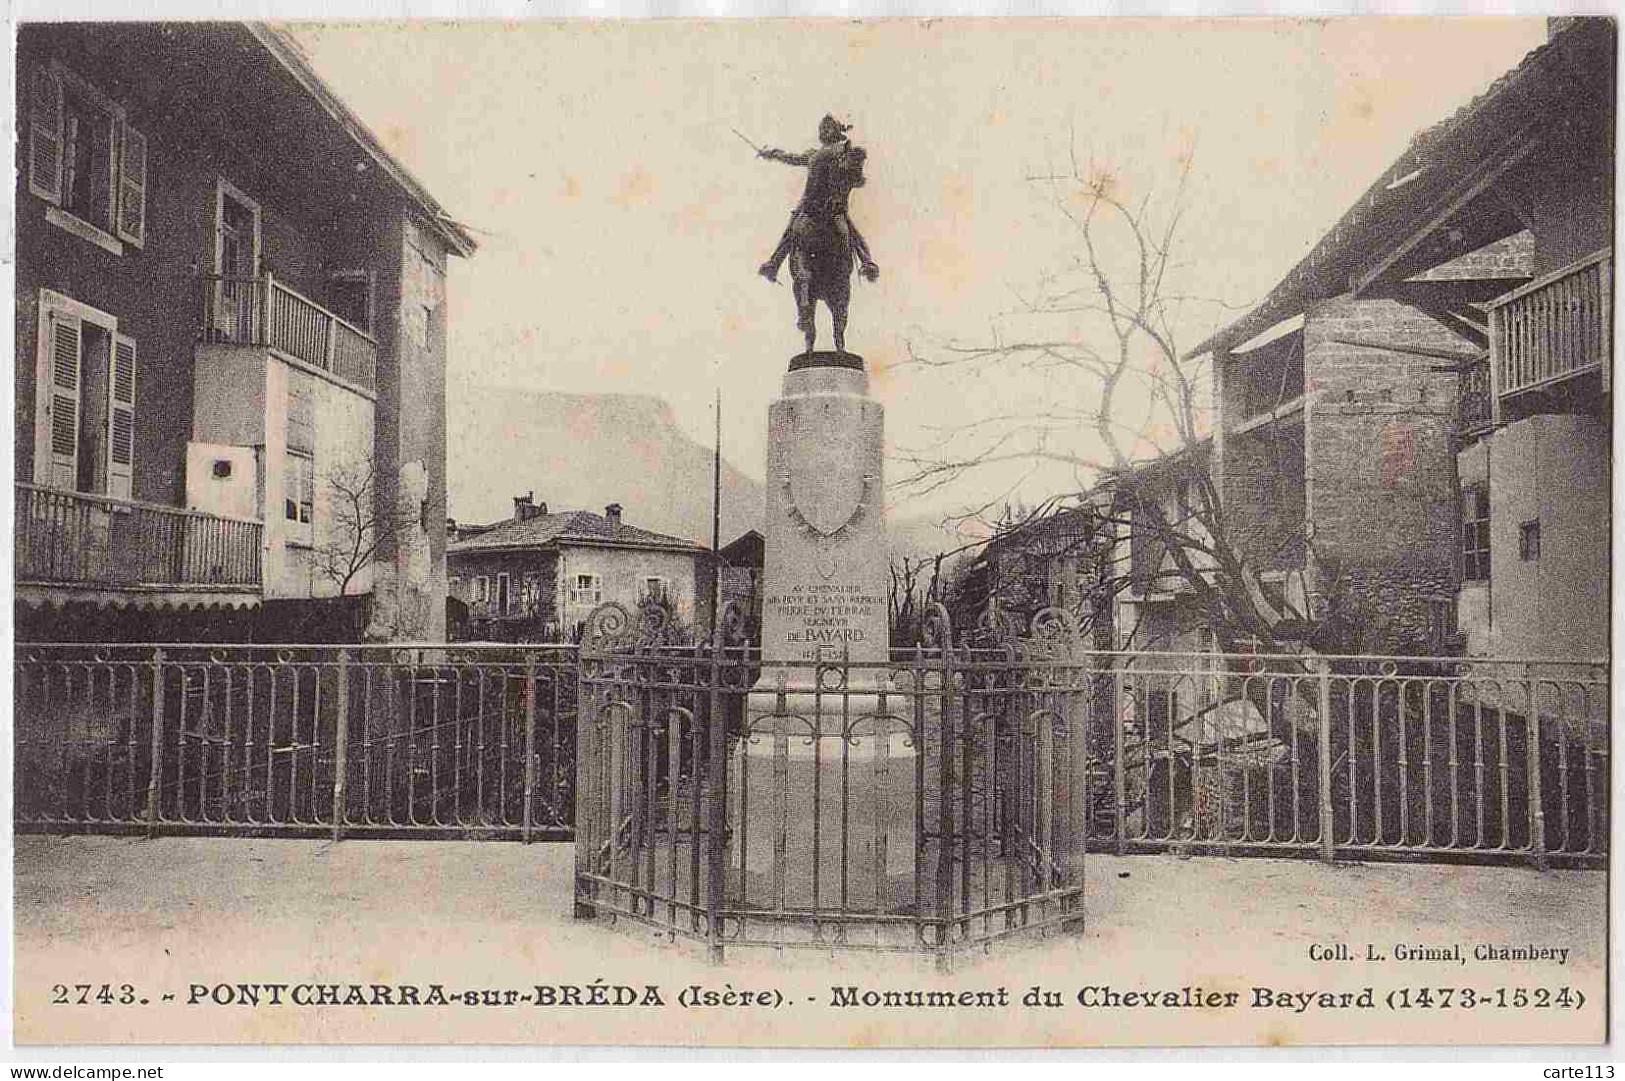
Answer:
(567, 527)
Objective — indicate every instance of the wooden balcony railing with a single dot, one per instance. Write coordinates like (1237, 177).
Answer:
(71, 537)
(1554, 328)
(264, 311)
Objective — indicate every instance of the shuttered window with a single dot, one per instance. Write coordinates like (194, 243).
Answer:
(588, 589)
(45, 136)
(301, 412)
(85, 410)
(121, 419)
(66, 344)
(132, 200)
(86, 158)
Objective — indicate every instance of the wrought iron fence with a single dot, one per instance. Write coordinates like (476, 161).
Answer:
(1356, 757)
(945, 799)
(927, 804)
(251, 740)
(933, 801)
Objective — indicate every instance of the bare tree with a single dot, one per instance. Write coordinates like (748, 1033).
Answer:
(1124, 414)
(906, 601)
(356, 528)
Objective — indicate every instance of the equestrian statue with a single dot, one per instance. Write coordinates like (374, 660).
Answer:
(820, 241)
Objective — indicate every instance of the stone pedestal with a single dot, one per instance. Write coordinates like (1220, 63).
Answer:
(824, 598)
(825, 574)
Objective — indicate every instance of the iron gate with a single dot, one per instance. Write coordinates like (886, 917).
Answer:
(933, 803)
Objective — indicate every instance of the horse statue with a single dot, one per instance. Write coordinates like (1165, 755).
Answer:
(820, 241)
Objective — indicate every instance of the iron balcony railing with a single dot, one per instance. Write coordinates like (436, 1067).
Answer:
(1554, 328)
(264, 311)
(93, 540)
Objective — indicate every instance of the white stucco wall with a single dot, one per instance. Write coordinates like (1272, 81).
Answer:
(622, 572)
(241, 399)
(234, 494)
(1555, 470)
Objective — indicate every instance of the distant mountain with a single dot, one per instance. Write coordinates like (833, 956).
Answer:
(582, 451)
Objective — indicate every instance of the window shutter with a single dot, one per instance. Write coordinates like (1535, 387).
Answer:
(45, 136)
(60, 456)
(301, 421)
(121, 420)
(307, 491)
(132, 201)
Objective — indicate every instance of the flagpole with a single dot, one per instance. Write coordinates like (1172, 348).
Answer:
(716, 520)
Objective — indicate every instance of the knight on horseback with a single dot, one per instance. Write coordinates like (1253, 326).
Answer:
(819, 162)
(820, 239)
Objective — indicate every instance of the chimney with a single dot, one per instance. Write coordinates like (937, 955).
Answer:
(613, 513)
(524, 508)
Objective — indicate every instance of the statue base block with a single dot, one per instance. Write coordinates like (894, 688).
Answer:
(826, 358)
(817, 814)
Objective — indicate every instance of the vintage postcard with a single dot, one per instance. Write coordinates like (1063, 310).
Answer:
(871, 533)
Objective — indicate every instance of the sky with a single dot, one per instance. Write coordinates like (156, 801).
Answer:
(621, 218)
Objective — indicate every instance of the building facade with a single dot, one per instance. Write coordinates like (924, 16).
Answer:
(1411, 446)
(1416, 419)
(1034, 562)
(739, 579)
(230, 334)
(538, 575)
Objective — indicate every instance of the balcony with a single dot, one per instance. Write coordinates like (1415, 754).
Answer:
(71, 539)
(265, 312)
(1552, 330)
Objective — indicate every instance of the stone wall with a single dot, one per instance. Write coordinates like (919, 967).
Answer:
(1381, 491)
(1511, 257)
(1262, 493)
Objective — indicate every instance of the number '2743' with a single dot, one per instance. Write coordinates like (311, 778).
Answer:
(86, 994)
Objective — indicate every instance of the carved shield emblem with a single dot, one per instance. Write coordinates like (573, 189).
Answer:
(826, 472)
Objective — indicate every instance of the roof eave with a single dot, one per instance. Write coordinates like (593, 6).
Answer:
(286, 52)
(684, 548)
(1422, 154)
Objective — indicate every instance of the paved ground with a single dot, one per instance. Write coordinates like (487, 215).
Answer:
(163, 915)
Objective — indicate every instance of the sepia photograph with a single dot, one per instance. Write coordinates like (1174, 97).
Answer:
(883, 533)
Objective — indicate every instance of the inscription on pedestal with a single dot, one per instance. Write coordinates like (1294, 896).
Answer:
(821, 618)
